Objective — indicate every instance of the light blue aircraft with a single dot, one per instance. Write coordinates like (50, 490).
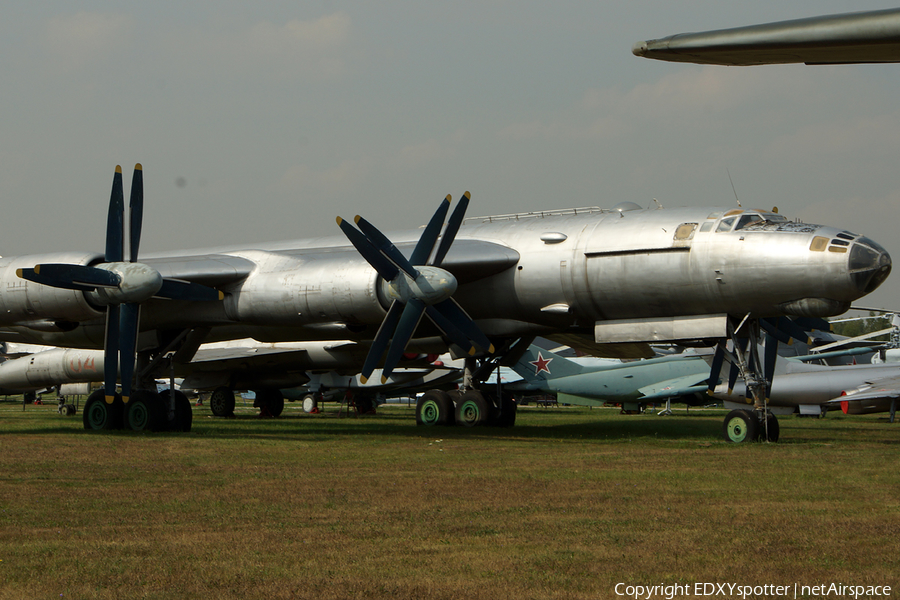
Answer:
(681, 378)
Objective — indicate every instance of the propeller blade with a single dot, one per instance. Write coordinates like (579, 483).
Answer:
(409, 320)
(176, 289)
(715, 371)
(385, 246)
(136, 211)
(456, 219)
(450, 330)
(385, 268)
(129, 320)
(115, 234)
(380, 343)
(456, 315)
(429, 237)
(111, 352)
(70, 277)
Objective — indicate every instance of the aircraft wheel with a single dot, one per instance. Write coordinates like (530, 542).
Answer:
(99, 415)
(271, 401)
(472, 409)
(741, 426)
(774, 429)
(434, 407)
(177, 418)
(310, 403)
(69, 410)
(143, 412)
(221, 401)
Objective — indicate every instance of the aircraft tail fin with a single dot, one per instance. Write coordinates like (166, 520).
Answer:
(537, 364)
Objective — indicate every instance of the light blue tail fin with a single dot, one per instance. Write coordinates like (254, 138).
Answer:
(537, 364)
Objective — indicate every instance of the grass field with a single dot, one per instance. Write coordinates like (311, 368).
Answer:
(567, 504)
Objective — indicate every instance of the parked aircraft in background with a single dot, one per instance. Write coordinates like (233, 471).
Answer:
(619, 279)
(862, 37)
(680, 377)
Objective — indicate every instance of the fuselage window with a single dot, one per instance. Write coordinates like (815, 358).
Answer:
(707, 226)
(685, 231)
(725, 225)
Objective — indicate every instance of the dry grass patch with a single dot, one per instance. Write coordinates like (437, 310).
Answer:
(565, 505)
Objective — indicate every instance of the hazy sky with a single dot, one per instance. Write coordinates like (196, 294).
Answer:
(265, 120)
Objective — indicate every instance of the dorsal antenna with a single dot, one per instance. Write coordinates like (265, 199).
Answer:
(732, 188)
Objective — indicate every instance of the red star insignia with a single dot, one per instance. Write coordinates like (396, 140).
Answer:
(541, 364)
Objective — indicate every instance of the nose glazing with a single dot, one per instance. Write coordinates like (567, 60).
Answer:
(869, 265)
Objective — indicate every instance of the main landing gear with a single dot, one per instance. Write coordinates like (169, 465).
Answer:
(467, 406)
(145, 411)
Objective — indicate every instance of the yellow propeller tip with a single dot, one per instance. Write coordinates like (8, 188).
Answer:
(221, 295)
(119, 169)
(109, 399)
(19, 273)
(37, 269)
(356, 219)
(491, 349)
(339, 220)
(138, 167)
(125, 399)
(447, 198)
(363, 379)
(383, 380)
(472, 351)
(468, 196)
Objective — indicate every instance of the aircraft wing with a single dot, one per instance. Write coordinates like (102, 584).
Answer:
(671, 388)
(862, 37)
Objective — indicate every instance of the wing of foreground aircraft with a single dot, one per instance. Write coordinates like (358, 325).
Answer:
(862, 37)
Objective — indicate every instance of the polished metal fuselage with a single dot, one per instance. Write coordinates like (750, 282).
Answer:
(561, 271)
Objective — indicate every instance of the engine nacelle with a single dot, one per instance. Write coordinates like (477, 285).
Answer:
(23, 302)
(334, 286)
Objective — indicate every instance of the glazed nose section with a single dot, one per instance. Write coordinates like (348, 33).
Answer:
(869, 264)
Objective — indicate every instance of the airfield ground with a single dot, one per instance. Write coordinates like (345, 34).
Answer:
(567, 504)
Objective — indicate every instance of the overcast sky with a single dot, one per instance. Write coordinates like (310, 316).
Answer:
(265, 120)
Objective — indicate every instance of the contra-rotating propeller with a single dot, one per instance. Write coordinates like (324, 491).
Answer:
(120, 285)
(416, 287)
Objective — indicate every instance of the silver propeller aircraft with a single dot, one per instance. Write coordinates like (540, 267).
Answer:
(862, 37)
(617, 278)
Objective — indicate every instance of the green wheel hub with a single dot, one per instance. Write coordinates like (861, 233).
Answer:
(97, 415)
(431, 412)
(138, 416)
(470, 412)
(737, 430)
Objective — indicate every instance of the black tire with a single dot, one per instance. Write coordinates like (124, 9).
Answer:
(69, 410)
(507, 416)
(741, 426)
(144, 412)
(98, 415)
(221, 401)
(179, 419)
(472, 409)
(774, 429)
(271, 401)
(434, 407)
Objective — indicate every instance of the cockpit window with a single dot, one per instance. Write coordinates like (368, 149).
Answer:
(748, 220)
(725, 224)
